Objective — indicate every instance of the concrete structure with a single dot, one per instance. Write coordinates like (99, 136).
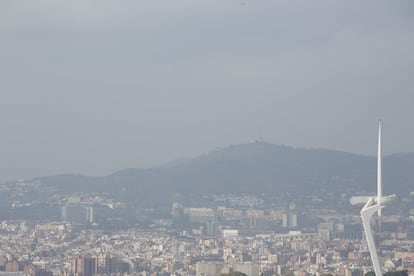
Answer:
(89, 214)
(207, 269)
(230, 233)
(373, 204)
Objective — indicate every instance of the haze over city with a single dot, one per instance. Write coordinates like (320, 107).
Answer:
(206, 138)
(97, 86)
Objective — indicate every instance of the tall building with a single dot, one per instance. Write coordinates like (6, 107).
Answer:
(290, 219)
(75, 265)
(12, 266)
(64, 213)
(108, 265)
(293, 219)
(248, 268)
(84, 266)
(211, 228)
(89, 266)
(177, 212)
(211, 268)
(89, 214)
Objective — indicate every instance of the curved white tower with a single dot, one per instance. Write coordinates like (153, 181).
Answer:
(372, 205)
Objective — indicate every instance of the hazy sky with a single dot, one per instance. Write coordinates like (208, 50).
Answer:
(96, 86)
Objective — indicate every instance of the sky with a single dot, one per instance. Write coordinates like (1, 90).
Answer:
(92, 87)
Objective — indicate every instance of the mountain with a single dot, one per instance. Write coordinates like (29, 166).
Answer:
(253, 168)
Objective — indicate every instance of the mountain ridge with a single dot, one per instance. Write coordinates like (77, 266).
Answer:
(253, 168)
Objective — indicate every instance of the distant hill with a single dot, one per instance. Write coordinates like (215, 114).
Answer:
(254, 168)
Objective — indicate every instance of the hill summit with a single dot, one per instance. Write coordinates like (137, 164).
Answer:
(252, 168)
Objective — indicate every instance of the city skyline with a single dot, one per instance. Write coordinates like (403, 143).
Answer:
(206, 137)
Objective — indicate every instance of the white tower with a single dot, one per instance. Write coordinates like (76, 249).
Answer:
(372, 205)
(379, 168)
